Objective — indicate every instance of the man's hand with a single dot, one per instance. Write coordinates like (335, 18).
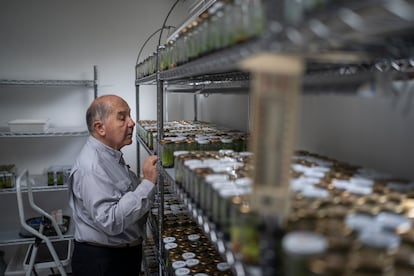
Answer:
(149, 168)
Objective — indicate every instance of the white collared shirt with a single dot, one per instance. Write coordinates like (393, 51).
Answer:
(109, 204)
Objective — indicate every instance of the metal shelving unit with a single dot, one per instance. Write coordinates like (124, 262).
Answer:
(51, 132)
(51, 83)
(343, 43)
(9, 232)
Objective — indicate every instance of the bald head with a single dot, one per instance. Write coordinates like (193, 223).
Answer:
(100, 109)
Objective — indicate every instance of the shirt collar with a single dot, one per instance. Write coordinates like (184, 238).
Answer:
(116, 154)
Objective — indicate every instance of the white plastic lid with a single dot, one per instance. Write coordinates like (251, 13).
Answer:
(393, 221)
(182, 271)
(170, 245)
(226, 140)
(359, 189)
(304, 243)
(360, 222)
(178, 264)
(192, 262)
(244, 182)
(245, 153)
(194, 237)
(218, 185)
(223, 266)
(220, 168)
(379, 239)
(225, 151)
(202, 141)
(362, 181)
(180, 152)
(169, 239)
(188, 255)
(192, 161)
(216, 177)
(314, 192)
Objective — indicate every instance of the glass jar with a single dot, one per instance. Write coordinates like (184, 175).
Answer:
(188, 166)
(226, 143)
(198, 181)
(203, 145)
(179, 157)
(299, 247)
(217, 199)
(207, 190)
(167, 148)
(375, 252)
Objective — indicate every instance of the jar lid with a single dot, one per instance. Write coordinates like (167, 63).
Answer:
(359, 222)
(194, 237)
(225, 152)
(359, 189)
(180, 152)
(188, 162)
(314, 192)
(379, 239)
(244, 182)
(182, 271)
(392, 221)
(216, 177)
(169, 239)
(178, 264)
(188, 255)
(192, 262)
(170, 245)
(304, 243)
(221, 168)
(223, 266)
(218, 185)
(230, 192)
(226, 140)
(202, 141)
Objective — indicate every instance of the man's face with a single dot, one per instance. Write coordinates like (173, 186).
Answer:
(119, 125)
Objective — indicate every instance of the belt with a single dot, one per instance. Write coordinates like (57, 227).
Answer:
(123, 245)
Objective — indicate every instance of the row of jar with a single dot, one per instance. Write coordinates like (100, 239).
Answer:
(187, 250)
(147, 130)
(371, 220)
(190, 136)
(222, 25)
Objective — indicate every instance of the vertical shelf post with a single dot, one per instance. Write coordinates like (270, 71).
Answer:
(95, 81)
(160, 181)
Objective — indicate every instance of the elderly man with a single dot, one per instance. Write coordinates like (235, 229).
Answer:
(109, 204)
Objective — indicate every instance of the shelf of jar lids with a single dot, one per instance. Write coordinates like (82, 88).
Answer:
(187, 248)
(49, 132)
(188, 135)
(345, 208)
(208, 227)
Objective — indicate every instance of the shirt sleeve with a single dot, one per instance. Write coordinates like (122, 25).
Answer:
(109, 204)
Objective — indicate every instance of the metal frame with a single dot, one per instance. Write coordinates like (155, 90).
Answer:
(351, 58)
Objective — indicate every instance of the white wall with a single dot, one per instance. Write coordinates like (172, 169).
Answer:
(56, 39)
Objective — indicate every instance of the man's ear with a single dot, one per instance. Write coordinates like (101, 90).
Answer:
(99, 127)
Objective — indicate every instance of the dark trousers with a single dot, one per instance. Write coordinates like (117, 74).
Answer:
(89, 260)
